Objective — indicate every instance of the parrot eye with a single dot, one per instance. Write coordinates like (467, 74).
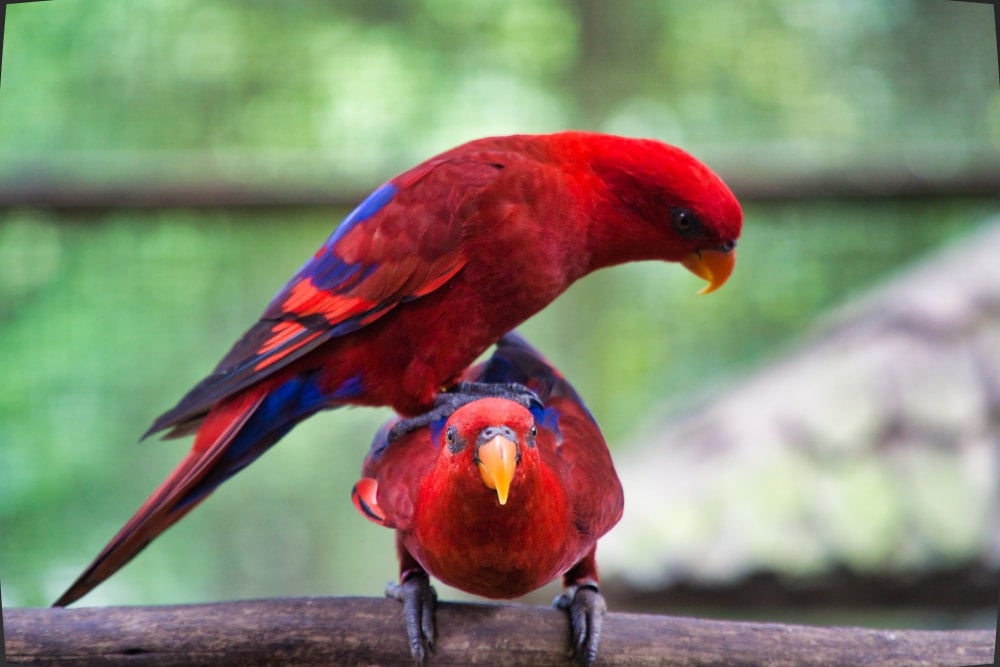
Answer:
(685, 223)
(451, 438)
(531, 435)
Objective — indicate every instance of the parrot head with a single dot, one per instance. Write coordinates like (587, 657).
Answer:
(490, 439)
(666, 205)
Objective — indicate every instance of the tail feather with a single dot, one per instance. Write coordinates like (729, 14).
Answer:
(236, 431)
(179, 493)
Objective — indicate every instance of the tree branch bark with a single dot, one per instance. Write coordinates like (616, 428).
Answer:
(752, 183)
(367, 631)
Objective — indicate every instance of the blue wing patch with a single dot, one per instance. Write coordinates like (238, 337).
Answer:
(290, 402)
(325, 270)
(372, 204)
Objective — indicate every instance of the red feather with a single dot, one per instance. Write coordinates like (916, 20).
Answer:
(426, 274)
(170, 501)
(564, 496)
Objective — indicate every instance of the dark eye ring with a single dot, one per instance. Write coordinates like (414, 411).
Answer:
(684, 222)
(534, 431)
(449, 436)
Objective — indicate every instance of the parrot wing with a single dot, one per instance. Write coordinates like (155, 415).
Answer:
(404, 241)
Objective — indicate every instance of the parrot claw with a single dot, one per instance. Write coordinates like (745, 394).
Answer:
(586, 609)
(448, 402)
(418, 598)
(512, 391)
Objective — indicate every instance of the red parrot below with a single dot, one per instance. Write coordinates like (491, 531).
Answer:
(420, 279)
(499, 498)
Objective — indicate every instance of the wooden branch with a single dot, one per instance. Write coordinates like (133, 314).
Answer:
(966, 587)
(367, 631)
(754, 183)
(72, 196)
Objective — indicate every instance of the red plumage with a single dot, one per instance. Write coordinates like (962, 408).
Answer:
(564, 493)
(421, 278)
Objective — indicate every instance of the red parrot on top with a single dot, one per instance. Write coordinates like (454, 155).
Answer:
(499, 498)
(422, 277)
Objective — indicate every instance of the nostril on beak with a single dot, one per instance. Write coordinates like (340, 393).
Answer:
(491, 432)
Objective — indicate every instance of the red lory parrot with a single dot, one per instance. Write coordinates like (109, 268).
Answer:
(499, 498)
(420, 279)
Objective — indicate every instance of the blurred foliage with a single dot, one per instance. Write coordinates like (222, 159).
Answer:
(368, 88)
(106, 321)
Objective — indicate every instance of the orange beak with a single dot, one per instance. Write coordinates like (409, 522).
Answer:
(497, 462)
(713, 266)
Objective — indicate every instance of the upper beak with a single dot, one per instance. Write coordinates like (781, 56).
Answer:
(497, 459)
(714, 266)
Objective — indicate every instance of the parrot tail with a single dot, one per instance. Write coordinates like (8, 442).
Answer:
(235, 432)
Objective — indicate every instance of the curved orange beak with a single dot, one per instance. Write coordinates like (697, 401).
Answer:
(497, 462)
(713, 266)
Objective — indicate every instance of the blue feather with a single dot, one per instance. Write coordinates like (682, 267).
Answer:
(295, 399)
(366, 209)
(326, 270)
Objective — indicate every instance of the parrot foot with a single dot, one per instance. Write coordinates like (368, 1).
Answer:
(586, 609)
(512, 391)
(418, 598)
(464, 392)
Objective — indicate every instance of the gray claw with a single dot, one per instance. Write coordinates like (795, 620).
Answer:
(464, 392)
(418, 598)
(586, 609)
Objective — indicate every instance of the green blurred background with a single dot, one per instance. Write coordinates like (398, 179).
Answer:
(107, 316)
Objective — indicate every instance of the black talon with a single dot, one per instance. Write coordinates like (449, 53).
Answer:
(512, 391)
(586, 609)
(418, 598)
(464, 392)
